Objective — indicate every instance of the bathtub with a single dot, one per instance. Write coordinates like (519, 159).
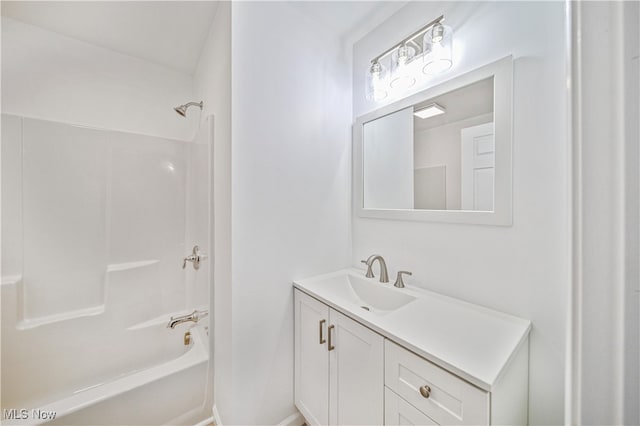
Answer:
(169, 393)
(139, 375)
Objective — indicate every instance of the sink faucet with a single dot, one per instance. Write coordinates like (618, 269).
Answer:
(194, 316)
(384, 276)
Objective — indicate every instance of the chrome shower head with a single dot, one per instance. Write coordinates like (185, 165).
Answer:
(182, 109)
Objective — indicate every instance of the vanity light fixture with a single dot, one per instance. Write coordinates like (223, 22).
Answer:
(430, 111)
(429, 48)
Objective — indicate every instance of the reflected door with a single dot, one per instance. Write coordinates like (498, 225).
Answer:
(478, 167)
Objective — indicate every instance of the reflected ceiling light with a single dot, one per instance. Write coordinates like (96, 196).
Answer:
(431, 45)
(430, 111)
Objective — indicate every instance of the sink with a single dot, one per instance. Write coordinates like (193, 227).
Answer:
(366, 293)
(379, 296)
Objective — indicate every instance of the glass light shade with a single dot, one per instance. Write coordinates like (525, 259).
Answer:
(437, 49)
(376, 82)
(401, 76)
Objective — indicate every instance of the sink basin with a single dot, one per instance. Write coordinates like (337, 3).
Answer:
(379, 296)
(366, 293)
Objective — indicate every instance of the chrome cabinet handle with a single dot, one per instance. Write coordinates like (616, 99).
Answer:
(322, 339)
(425, 391)
(331, 347)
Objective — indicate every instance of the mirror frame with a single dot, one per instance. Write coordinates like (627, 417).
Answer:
(502, 73)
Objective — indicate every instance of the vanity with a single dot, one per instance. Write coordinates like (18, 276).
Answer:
(369, 353)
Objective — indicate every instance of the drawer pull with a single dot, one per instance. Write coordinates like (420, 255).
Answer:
(331, 347)
(425, 391)
(322, 339)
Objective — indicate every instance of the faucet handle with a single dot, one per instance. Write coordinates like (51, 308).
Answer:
(399, 283)
(369, 273)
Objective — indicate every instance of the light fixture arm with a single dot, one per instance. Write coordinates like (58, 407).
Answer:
(409, 38)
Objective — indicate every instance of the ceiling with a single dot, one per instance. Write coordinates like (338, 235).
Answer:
(469, 101)
(169, 33)
(350, 20)
(172, 33)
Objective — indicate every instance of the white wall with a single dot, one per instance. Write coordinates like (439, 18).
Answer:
(442, 145)
(50, 76)
(212, 84)
(521, 269)
(290, 167)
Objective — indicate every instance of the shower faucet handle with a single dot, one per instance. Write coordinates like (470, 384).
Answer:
(195, 257)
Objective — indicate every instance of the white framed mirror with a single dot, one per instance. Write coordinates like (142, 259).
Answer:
(441, 155)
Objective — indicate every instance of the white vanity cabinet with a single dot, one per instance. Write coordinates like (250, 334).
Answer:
(339, 367)
(368, 353)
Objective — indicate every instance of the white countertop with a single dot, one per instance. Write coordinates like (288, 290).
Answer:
(471, 341)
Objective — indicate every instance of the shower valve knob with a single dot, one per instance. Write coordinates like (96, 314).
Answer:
(195, 257)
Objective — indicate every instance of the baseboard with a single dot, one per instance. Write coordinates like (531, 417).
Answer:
(216, 416)
(295, 419)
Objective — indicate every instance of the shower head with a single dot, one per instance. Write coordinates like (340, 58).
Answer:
(182, 109)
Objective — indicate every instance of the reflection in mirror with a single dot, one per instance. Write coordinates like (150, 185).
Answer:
(438, 154)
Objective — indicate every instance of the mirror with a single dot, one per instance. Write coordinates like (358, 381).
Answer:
(443, 154)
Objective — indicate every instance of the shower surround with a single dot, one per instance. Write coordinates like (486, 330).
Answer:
(95, 227)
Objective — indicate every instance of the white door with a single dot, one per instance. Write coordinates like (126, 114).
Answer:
(478, 167)
(356, 373)
(311, 359)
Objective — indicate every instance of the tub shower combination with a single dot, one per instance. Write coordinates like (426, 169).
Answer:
(105, 278)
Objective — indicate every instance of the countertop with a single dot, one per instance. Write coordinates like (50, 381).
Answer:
(471, 341)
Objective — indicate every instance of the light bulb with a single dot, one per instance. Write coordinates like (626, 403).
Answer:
(437, 33)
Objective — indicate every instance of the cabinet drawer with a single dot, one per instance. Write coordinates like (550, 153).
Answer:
(447, 399)
(398, 412)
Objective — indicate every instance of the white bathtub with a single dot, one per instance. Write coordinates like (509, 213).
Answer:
(139, 375)
(169, 393)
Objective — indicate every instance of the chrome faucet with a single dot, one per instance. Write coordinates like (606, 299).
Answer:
(384, 276)
(194, 317)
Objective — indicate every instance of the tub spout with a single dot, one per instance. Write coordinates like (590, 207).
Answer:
(194, 317)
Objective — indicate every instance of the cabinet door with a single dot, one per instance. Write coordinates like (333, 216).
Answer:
(311, 359)
(356, 373)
